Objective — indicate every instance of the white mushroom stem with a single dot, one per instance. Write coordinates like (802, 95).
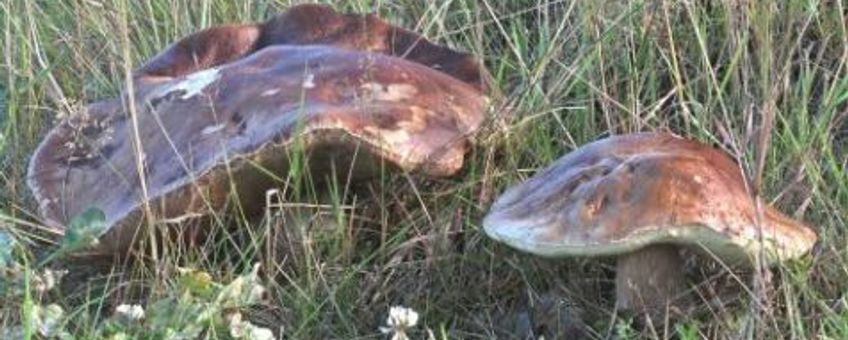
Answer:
(649, 279)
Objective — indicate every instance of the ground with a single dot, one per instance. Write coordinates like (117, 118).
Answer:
(766, 81)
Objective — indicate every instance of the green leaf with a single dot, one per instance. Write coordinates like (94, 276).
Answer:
(196, 282)
(10, 268)
(7, 248)
(84, 230)
(242, 291)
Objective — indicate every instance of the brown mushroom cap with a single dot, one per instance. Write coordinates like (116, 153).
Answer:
(623, 193)
(310, 24)
(223, 109)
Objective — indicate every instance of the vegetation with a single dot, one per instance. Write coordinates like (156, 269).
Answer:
(765, 80)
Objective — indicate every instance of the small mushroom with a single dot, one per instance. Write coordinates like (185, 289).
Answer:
(219, 114)
(641, 197)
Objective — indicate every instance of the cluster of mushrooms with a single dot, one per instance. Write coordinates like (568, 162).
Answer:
(222, 113)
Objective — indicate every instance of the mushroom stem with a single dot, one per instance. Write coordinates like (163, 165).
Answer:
(649, 279)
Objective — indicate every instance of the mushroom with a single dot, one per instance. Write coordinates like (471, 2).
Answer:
(642, 197)
(221, 113)
(308, 24)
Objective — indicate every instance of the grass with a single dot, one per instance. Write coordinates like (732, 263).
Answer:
(767, 81)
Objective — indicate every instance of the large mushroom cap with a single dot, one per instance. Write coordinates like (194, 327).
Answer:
(623, 193)
(223, 109)
(310, 24)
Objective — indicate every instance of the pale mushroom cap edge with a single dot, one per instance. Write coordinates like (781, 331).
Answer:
(623, 193)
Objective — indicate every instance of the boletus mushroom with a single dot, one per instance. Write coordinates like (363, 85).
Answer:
(641, 198)
(218, 114)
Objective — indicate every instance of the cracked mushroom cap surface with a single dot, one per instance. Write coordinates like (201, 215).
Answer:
(227, 108)
(623, 193)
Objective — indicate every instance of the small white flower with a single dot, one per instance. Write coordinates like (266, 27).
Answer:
(237, 327)
(241, 329)
(48, 280)
(131, 312)
(399, 321)
(243, 290)
(260, 333)
(257, 292)
(49, 320)
(119, 336)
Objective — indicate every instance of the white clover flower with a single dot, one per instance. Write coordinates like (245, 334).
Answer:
(261, 333)
(399, 321)
(48, 280)
(119, 336)
(241, 329)
(49, 320)
(243, 290)
(130, 312)
(257, 292)
(237, 329)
